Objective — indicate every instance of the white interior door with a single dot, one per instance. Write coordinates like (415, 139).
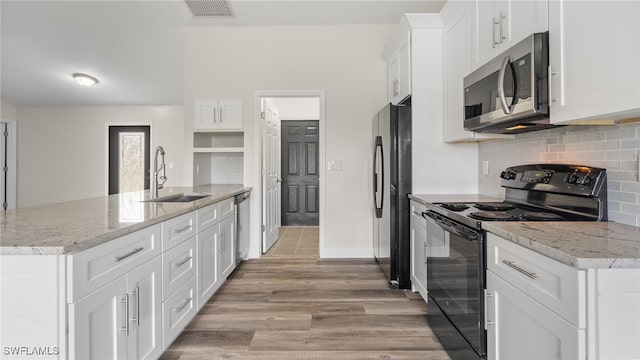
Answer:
(271, 175)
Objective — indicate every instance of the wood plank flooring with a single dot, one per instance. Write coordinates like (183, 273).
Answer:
(309, 309)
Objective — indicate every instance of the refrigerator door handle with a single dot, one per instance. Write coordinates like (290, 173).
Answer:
(378, 193)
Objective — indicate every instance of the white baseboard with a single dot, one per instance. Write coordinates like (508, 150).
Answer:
(346, 253)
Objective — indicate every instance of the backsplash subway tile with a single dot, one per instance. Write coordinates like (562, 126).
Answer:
(615, 148)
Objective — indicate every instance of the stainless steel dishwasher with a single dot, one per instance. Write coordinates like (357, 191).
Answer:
(242, 227)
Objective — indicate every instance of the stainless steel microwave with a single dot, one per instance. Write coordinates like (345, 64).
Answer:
(510, 94)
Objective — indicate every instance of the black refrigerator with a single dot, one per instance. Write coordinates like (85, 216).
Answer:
(391, 187)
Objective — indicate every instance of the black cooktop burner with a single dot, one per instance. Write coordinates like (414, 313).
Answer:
(530, 215)
(493, 216)
(493, 206)
(454, 206)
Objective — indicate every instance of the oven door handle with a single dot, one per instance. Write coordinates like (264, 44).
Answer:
(449, 226)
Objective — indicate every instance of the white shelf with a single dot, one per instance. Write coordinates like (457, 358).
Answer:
(219, 150)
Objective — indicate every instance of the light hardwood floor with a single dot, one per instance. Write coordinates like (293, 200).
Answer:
(281, 308)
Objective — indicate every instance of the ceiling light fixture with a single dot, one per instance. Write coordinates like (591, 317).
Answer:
(84, 79)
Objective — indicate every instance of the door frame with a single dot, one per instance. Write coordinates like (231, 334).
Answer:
(106, 148)
(258, 149)
(12, 162)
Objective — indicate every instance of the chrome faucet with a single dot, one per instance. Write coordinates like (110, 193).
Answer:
(157, 184)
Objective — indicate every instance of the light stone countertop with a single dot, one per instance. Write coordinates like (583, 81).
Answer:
(72, 226)
(581, 244)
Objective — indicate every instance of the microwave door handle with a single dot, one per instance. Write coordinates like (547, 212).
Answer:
(506, 108)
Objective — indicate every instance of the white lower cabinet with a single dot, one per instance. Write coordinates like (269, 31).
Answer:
(539, 308)
(178, 310)
(121, 319)
(418, 250)
(226, 236)
(521, 328)
(128, 298)
(208, 275)
(96, 324)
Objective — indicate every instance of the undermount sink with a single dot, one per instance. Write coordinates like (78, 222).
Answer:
(182, 198)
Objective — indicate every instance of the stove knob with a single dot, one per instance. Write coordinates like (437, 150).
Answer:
(512, 175)
(572, 178)
(584, 180)
(504, 175)
(508, 175)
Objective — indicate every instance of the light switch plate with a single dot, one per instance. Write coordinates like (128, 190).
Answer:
(334, 165)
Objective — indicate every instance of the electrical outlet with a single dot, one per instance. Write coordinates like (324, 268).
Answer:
(170, 164)
(485, 167)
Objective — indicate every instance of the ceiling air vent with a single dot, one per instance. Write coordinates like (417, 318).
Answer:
(210, 8)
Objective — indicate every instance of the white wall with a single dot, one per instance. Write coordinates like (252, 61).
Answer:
(344, 61)
(9, 111)
(62, 151)
(297, 108)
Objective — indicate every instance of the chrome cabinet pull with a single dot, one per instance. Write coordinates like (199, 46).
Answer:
(125, 301)
(220, 109)
(551, 73)
(184, 304)
(186, 260)
(502, 18)
(487, 295)
(134, 251)
(493, 37)
(517, 268)
(180, 231)
(136, 293)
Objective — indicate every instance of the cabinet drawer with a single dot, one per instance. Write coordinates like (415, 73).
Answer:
(178, 265)
(178, 229)
(226, 207)
(178, 310)
(557, 286)
(207, 216)
(212, 214)
(93, 268)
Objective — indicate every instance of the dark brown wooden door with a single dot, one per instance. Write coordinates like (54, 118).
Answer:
(300, 172)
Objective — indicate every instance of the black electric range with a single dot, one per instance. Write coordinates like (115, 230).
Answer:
(539, 192)
(456, 249)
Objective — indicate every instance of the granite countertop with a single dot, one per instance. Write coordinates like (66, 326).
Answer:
(582, 245)
(72, 226)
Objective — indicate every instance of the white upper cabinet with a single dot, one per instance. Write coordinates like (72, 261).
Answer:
(456, 65)
(218, 115)
(594, 60)
(500, 24)
(399, 71)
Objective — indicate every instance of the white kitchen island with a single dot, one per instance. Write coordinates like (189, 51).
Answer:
(113, 276)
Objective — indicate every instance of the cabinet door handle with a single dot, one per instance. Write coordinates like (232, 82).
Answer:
(502, 18)
(181, 230)
(396, 87)
(125, 301)
(494, 23)
(184, 304)
(134, 251)
(214, 115)
(136, 293)
(551, 73)
(220, 109)
(517, 268)
(487, 322)
(186, 260)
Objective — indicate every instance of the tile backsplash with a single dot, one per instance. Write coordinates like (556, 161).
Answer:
(615, 148)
